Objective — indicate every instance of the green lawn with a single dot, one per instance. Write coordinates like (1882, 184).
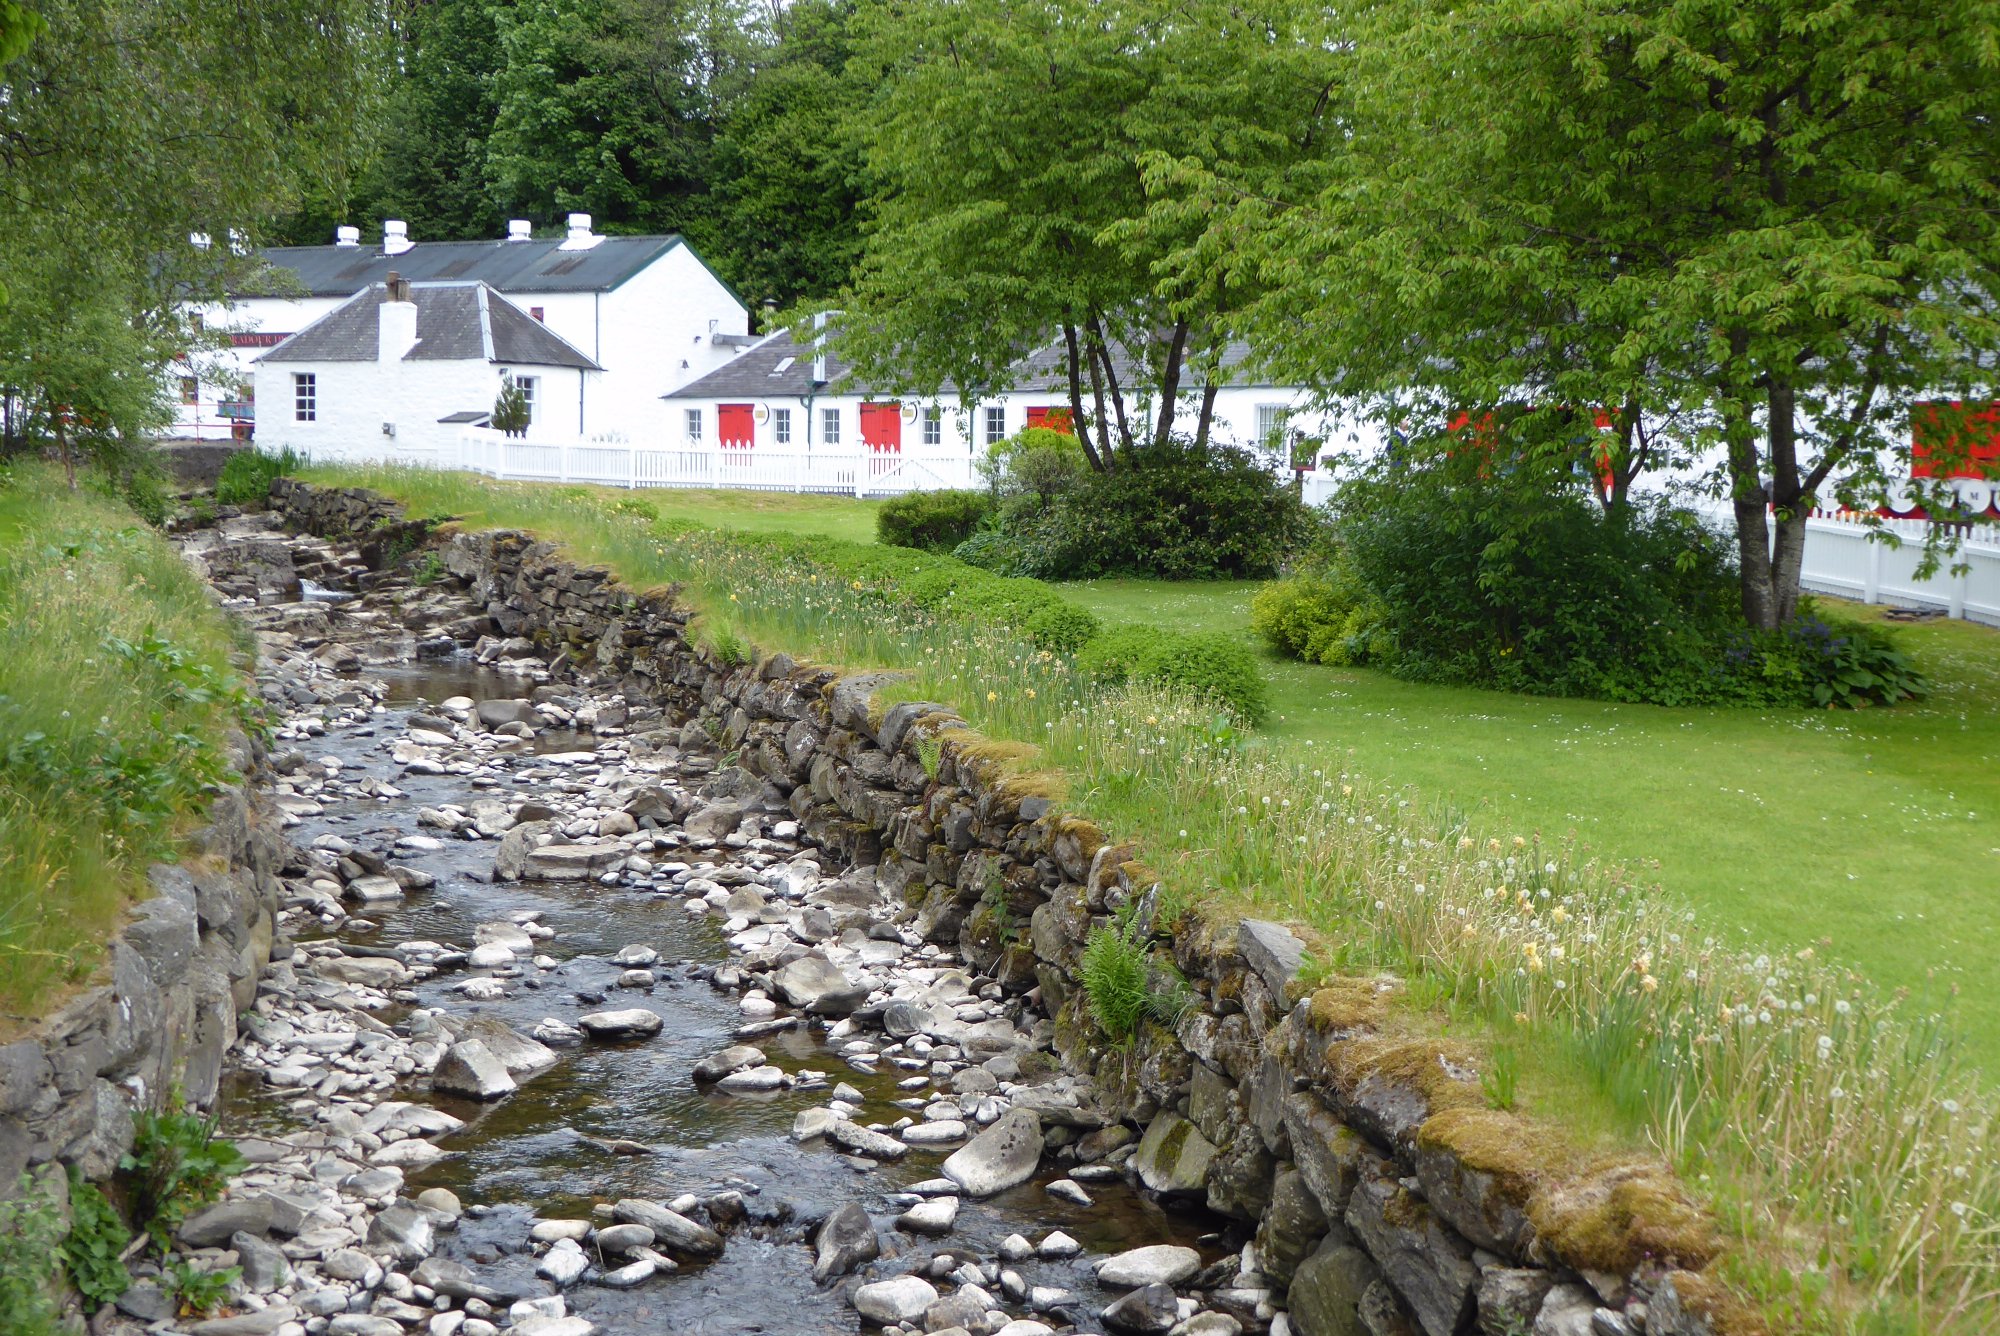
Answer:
(769, 512)
(1873, 835)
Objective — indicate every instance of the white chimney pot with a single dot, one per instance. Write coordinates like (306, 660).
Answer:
(347, 236)
(397, 331)
(395, 237)
(520, 229)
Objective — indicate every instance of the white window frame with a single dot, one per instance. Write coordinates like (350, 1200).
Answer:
(829, 426)
(528, 386)
(781, 426)
(692, 421)
(1271, 423)
(933, 425)
(996, 423)
(305, 396)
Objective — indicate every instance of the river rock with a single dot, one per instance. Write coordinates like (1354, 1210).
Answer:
(1158, 1264)
(1003, 1156)
(469, 1068)
(935, 1216)
(454, 1280)
(564, 1263)
(965, 1310)
(631, 1023)
(404, 1230)
(736, 1058)
(1144, 1312)
(671, 1230)
(365, 971)
(624, 1238)
(815, 984)
(260, 1322)
(844, 1242)
(264, 1267)
(494, 713)
(858, 1140)
(213, 1227)
(904, 1299)
(751, 1080)
(570, 862)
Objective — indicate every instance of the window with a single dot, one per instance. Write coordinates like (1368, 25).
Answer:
(694, 425)
(996, 424)
(190, 390)
(1271, 426)
(933, 426)
(829, 419)
(528, 385)
(781, 425)
(305, 397)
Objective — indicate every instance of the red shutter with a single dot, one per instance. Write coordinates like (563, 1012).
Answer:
(734, 425)
(882, 427)
(1055, 419)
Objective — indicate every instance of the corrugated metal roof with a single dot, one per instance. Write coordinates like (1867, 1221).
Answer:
(507, 266)
(456, 322)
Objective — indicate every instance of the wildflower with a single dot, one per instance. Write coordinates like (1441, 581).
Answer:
(1642, 963)
(1559, 914)
(1555, 953)
(1031, 693)
(1841, 1006)
(732, 598)
(1520, 1018)
(992, 696)
(1949, 1106)
(1183, 834)
(1825, 1044)
(1520, 843)
(1649, 984)
(1836, 1093)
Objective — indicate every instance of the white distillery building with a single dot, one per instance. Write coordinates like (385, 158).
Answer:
(399, 369)
(646, 311)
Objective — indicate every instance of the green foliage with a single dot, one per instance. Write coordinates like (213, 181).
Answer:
(1114, 970)
(1324, 615)
(1831, 663)
(1035, 461)
(991, 550)
(199, 1291)
(29, 1254)
(931, 521)
(1181, 511)
(146, 492)
(510, 408)
(1063, 627)
(97, 1238)
(1210, 664)
(428, 571)
(248, 474)
(176, 1166)
(1500, 1081)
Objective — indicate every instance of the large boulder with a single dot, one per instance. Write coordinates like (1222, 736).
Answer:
(844, 1242)
(904, 1299)
(1003, 1156)
(471, 1069)
(671, 1230)
(1326, 1291)
(815, 984)
(521, 1056)
(630, 1023)
(1156, 1264)
(1174, 1156)
(1144, 1311)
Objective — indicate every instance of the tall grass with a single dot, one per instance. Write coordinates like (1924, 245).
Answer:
(115, 689)
(1846, 1143)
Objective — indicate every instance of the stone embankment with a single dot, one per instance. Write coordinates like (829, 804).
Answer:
(903, 929)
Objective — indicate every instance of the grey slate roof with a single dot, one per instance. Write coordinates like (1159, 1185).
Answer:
(755, 374)
(456, 322)
(509, 266)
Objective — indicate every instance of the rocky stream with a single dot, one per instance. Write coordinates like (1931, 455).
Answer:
(570, 1029)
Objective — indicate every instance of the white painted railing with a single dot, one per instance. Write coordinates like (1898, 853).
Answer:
(848, 470)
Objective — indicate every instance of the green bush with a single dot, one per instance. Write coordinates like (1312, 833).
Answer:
(1063, 628)
(931, 521)
(991, 549)
(1178, 512)
(1831, 663)
(30, 1235)
(176, 1166)
(97, 1238)
(247, 475)
(1037, 462)
(1322, 616)
(1213, 664)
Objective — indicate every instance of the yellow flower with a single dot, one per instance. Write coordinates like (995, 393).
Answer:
(1031, 693)
(1151, 719)
(992, 696)
(1520, 1018)
(1642, 963)
(1520, 843)
(1650, 984)
(1559, 914)
(732, 598)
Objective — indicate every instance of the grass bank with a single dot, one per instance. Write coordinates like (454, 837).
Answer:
(115, 691)
(1839, 1133)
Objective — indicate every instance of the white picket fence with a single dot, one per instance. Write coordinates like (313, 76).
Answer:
(849, 471)
(1846, 558)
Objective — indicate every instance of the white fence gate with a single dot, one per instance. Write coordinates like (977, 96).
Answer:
(863, 471)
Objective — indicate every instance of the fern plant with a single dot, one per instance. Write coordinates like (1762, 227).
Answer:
(1114, 979)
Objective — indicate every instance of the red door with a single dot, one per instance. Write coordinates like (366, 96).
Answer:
(1055, 419)
(882, 427)
(734, 425)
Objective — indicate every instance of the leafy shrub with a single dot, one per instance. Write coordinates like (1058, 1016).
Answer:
(931, 521)
(1114, 979)
(29, 1232)
(1832, 663)
(1322, 616)
(1213, 664)
(991, 549)
(176, 1166)
(247, 475)
(197, 1290)
(97, 1238)
(1063, 627)
(146, 492)
(1037, 462)
(1179, 512)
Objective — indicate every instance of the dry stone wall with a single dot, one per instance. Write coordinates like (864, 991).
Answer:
(160, 1015)
(1380, 1193)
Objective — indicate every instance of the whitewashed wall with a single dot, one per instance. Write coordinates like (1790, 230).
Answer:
(356, 400)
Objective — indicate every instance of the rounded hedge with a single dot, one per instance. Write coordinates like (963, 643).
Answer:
(1212, 664)
(931, 521)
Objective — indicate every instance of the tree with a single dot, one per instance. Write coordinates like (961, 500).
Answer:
(1007, 208)
(125, 127)
(1762, 231)
(510, 408)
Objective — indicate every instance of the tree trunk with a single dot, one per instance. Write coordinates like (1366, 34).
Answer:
(1077, 420)
(1747, 495)
(1100, 350)
(1170, 385)
(62, 445)
(1207, 418)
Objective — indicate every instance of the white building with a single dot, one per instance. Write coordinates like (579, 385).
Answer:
(646, 310)
(399, 369)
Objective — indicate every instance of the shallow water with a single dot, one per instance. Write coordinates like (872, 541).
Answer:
(527, 1155)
